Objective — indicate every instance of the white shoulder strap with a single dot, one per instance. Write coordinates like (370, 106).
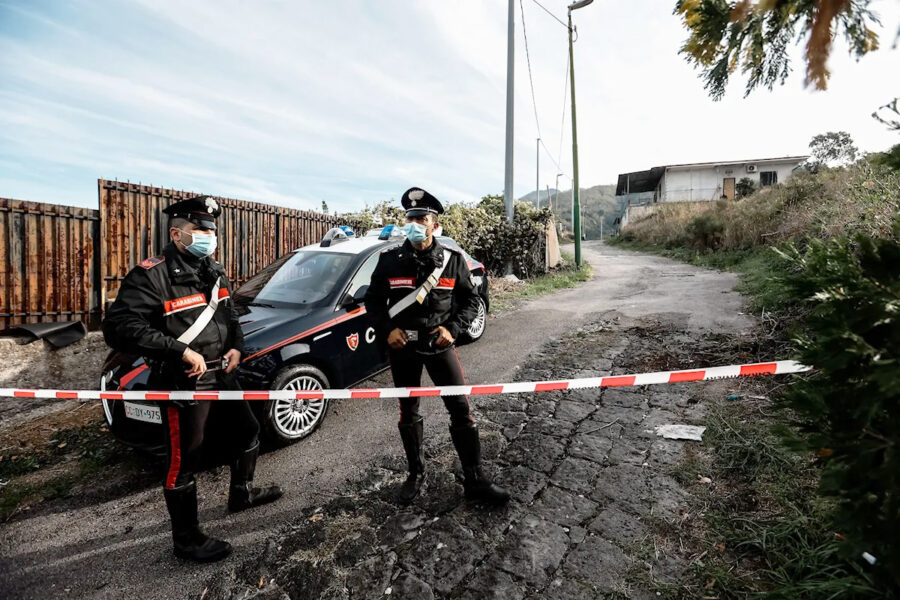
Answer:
(191, 333)
(419, 294)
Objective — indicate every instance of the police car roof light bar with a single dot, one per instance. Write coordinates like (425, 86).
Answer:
(390, 231)
(333, 236)
(348, 230)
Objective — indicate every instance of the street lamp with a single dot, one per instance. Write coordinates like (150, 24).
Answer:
(576, 205)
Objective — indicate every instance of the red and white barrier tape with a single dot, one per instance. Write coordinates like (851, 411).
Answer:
(781, 367)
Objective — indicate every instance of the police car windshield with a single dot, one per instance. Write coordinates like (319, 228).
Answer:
(303, 277)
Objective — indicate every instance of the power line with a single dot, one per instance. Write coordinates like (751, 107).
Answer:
(533, 97)
(562, 125)
(530, 78)
(546, 10)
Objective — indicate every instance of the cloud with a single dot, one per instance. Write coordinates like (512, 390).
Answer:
(352, 103)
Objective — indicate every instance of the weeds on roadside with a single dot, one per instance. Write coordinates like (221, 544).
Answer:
(764, 531)
(565, 276)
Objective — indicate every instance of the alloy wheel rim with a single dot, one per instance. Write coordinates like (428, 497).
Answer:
(295, 418)
(477, 327)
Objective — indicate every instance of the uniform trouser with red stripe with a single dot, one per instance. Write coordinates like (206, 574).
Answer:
(443, 368)
(187, 426)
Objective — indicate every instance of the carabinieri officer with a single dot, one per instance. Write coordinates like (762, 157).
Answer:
(175, 310)
(422, 298)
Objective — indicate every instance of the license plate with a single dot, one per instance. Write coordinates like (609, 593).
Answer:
(140, 412)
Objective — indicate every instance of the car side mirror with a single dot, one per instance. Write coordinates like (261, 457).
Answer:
(356, 298)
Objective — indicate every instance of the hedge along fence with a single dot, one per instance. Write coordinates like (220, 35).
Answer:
(484, 231)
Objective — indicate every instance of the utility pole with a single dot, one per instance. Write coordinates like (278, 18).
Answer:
(576, 206)
(510, 106)
(537, 173)
(556, 195)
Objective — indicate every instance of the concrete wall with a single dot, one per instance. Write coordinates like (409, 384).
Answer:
(634, 214)
(706, 183)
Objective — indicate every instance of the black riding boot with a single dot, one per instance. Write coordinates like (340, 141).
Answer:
(411, 434)
(190, 542)
(478, 487)
(242, 495)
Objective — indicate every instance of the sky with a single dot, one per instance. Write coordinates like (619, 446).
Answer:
(352, 102)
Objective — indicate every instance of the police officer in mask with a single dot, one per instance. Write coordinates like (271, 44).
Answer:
(422, 298)
(175, 310)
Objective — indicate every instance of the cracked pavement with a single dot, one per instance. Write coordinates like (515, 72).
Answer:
(590, 481)
(557, 451)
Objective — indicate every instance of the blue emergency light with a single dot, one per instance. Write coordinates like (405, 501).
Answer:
(348, 230)
(390, 231)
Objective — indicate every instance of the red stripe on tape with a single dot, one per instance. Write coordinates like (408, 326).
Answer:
(486, 389)
(111, 396)
(761, 369)
(624, 380)
(256, 396)
(551, 385)
(66, 394)
(156, 396)
(417, 392)
(365, 394)
(23, 394)
(310, 395)
(687, 376)
(206, 396)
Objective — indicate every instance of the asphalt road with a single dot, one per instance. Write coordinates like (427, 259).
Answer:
(121, 548)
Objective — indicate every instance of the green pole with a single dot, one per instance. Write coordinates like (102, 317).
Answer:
(576, 205)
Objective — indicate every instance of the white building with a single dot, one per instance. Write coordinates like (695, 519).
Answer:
(700, 182)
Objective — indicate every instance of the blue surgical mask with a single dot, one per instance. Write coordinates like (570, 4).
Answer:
(415, 233)
(202, 244)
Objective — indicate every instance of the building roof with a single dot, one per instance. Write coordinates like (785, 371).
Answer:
(739, 162)
(639, 181)
(646, 181)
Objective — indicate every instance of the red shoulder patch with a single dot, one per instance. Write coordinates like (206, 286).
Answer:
(152, 262)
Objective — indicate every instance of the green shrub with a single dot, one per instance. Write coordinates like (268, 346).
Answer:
(707, 231)
(745, 187)
(849, 407)
(483, 230)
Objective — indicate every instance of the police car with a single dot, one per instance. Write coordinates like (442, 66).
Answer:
(305, 328)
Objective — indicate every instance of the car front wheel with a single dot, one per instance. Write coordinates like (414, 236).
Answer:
(479, 323)
(290, 420)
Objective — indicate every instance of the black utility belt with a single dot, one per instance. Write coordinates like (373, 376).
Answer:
(423, 339)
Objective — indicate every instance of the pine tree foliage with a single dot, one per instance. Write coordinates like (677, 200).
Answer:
(754, 37)
(850, 407)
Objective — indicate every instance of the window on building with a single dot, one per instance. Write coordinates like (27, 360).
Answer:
(768, 178)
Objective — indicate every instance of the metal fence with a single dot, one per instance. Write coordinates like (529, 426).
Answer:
(64, 263)
(49, 263)
(251, 234)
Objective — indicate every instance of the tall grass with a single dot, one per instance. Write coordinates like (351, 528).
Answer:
(860, 199)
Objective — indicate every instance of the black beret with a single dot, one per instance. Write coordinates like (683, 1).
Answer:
(201, 211)
(418, 202)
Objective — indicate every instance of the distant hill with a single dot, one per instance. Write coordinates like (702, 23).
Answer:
(598, 202)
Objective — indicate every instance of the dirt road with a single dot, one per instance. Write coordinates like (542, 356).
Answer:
(121, 547)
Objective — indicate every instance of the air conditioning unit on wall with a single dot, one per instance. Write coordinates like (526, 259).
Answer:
(751, 168)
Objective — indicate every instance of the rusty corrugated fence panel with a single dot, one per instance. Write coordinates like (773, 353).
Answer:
(251, 234)
(48, 263)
